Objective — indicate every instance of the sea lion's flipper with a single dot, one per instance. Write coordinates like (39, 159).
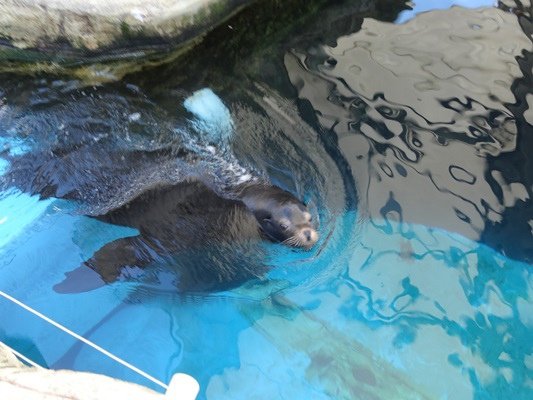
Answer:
(109, 261)
(81, 279)
(106, 265)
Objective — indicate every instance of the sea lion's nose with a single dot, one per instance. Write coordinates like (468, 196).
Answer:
(308, 234)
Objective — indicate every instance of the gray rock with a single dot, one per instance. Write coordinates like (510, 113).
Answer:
(8, 359)
(72, 32)
(21, 382)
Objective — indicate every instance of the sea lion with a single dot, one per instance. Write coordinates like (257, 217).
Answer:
(281, 216)
(210, 242)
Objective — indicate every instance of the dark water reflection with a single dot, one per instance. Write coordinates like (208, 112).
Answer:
(410, 141)
(429, 118)
(428, 110)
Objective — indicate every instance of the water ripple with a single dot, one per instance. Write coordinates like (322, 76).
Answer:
(432, 102)
(430, 117)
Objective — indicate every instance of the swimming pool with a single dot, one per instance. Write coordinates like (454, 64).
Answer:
(408, 140)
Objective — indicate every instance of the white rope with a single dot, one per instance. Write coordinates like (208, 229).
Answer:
(21, 356)
(88, 342)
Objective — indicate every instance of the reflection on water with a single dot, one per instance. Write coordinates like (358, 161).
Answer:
(430, 5)
(409, 141)
(422, 115)
(420, 112)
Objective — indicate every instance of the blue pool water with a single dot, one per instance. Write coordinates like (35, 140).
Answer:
(410, 143)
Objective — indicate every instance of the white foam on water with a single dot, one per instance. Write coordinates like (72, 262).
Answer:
(208, 107)
(214, 126)
(212, 118)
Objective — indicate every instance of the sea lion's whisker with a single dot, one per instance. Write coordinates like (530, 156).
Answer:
(289, 241)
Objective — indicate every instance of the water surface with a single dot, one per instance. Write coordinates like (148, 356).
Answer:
(409, 135)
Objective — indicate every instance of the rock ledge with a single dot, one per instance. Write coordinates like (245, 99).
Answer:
(73, 32)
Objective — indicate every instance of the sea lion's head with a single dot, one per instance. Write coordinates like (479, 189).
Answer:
(291, 224)
(281, 216)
